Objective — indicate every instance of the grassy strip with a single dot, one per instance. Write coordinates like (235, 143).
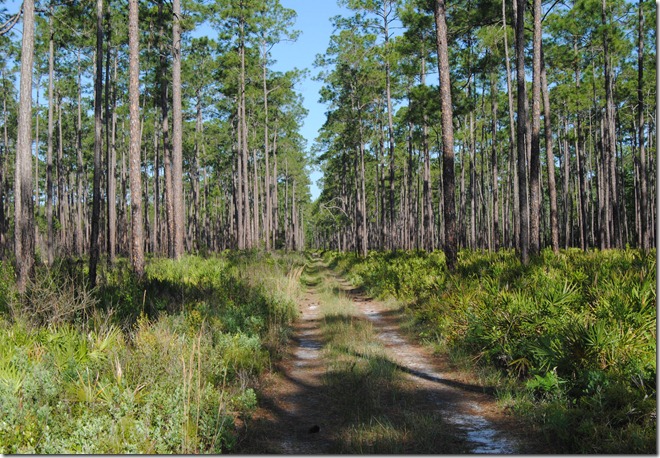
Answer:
(159, 366)
(574, 333)
(378, 408)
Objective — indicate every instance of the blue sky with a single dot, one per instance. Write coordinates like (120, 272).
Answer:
(313, 21)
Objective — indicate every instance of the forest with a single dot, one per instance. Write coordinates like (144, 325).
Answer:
(489, 166)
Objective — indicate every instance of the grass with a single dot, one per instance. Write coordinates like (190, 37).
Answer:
(377, 406)
(570, 339)
(160, 366)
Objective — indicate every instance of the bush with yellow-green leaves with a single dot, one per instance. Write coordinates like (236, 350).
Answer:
(168, 370)
(576, 331)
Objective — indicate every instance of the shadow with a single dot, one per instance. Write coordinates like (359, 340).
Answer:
(357, 404)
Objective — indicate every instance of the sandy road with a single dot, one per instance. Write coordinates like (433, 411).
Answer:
(299, 414)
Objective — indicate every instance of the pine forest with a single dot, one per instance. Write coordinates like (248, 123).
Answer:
(189, 264)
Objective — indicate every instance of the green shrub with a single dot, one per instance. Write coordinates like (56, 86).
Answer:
(162, 365)
(577, 329)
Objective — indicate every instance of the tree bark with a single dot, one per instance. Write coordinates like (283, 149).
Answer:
(177, 134)
(98, 145)
(552, 184)
(24, 211)
(111, 152)
(79, 170)
(521, 132)
(609, 140)
(137, 237)
(513, 169)
(535, 163)
(49, 152)
(644, 241)
(493, 160)
(447, 133)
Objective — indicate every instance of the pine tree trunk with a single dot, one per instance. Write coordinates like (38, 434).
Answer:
(79, 169)
(390, 131)
(521, 131)
(49, 154)
(111, 151)
(609, 140)
(137, 246)
(177, 134)
(98, 146)
(644, 241)
(552, 185)
(23, 208)
(513, 168)
(268, 187)
(62, 197)
(535, 163)
(493, 161)
(447, 134)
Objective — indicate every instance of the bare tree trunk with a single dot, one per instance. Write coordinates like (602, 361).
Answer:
(276, 205)
(98, 146)
(552, 185)
(79, 169)
(49, 154)
(513, 169)
(522, 131)
(177, 134)
(447, 134)
(363, 233)
(535, 163)
(644, 233)
(4, 159)
(137, 247)
(111, 151)
(195, 173)
(268, 187)
(167, 145)
(609, 137)
(62, 198)
(493, 160)
(390, 130)
(37, 109)
(24, 211)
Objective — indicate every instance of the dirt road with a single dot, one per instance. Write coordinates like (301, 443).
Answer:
(353, 382)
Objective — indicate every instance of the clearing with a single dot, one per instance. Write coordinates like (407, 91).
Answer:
(352, 381)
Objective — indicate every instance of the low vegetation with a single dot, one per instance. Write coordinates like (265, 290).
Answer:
(572, 335)
(160, 366)
(375, 405)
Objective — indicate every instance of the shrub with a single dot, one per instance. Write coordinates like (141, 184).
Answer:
(577, 329)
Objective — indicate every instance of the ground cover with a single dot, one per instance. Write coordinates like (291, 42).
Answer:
(571, 337)
(352, 382)
(164, 365)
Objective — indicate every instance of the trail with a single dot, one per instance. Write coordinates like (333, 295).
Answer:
(303, 404)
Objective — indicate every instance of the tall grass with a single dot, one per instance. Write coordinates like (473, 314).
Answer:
(160, 366)
(576, 331)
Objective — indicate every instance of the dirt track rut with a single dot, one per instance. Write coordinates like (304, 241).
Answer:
(298, 413)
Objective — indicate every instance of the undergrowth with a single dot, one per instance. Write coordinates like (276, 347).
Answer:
(574, 331)
(163, 365)
(378, 409)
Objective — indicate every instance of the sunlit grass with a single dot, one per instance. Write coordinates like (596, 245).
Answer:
(159, 366)
(373, 398)
(568, 340)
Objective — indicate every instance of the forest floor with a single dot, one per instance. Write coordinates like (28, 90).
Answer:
(385, 394)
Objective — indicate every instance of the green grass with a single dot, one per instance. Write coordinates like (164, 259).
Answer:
(572, 335)
(160, 366)
(377, 407)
